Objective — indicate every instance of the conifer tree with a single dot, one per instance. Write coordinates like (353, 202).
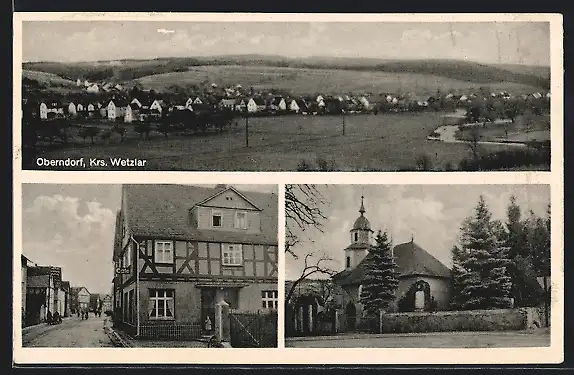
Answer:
(380, 280)
(525, 290)
(481, 277)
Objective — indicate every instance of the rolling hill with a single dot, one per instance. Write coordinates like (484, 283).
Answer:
(328, 81)
(304, 74)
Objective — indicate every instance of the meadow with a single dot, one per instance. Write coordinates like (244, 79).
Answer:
(388, 142)
(301, 81)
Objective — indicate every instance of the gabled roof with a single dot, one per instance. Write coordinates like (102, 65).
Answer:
(162, 211)
(411, 260)
(220, 191)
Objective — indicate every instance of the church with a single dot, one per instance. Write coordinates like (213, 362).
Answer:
(424, 282)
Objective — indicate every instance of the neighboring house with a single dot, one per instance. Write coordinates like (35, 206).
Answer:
(424, 282)
(158, 105)
(43, 292)
(72, 109)
(116, 108)
(79, 299)
(240, 105)
(294, 106)
(227, 104)
(189, 247)
(107, 304)
(197, 100)
(93, 88)
(136, 102)
(255, 104)
(43, 111)
(66, 304)
(128, 113)
(26, 263)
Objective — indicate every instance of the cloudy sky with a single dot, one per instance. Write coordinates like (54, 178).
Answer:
(431, 214)
(72, 226)
(502, 42)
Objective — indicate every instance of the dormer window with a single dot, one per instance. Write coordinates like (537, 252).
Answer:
(240, 220)
(216, 219)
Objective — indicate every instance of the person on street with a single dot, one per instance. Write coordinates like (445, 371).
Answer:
(49, 317)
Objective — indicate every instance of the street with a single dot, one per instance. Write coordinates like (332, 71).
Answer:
(511, 339)
(72, 332)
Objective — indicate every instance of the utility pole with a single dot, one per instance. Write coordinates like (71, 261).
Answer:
(343, 123)
(247, 130)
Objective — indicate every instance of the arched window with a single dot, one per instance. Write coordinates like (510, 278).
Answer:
(348, 262)
(360, 290)
(356, 236)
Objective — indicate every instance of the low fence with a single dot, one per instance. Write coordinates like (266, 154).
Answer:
(449, 321)
(253, 329)
(170, 331)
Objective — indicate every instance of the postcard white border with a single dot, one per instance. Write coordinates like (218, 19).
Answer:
(281, 355)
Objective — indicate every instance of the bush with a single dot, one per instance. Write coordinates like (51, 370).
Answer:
(537, 154)
(448, 321)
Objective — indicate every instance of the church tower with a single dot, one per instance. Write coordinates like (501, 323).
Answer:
(361, 240)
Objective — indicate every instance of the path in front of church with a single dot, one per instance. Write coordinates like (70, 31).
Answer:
(512, 339)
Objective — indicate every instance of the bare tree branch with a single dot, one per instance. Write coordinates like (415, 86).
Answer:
(310, 269)
(302, 211)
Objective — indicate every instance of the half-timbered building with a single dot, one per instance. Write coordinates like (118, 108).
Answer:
(180, 249)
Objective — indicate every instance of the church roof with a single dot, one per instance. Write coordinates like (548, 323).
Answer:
(411, 260)
(362, 223)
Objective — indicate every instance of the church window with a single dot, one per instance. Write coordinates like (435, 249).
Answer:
(356, 236)
(348, 262)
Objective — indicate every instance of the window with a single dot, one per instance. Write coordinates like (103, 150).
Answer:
(356, 236)
(269, 299)
(348, 262)
(240, 220)
(232, 255)
(163, 252)
(216, 219)
(161, 304)
(127, 258)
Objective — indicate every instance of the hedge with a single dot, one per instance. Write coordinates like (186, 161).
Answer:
(448, 321)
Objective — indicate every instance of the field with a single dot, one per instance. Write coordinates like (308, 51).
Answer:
(523, 129)
(309, 81)
(387, 142)
(48, 79)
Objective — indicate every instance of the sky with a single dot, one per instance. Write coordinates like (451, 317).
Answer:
(72, 227)
(501, 42)
(429, 214)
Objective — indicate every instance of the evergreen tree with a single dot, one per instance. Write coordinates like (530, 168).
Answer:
(525, 290)
(480, 266)
(380, 281)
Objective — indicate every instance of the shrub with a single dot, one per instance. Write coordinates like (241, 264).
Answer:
(304, 166)
(424, 162)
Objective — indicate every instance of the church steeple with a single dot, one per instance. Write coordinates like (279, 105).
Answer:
(361, 238)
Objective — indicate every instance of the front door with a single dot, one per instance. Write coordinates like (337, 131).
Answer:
(208, 309)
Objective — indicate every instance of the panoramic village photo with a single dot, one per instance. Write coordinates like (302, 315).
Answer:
(164, 266)
(285, 96)
(417, 266)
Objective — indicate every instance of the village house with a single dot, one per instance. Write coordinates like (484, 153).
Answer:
(424, 282)
(93, 88)
(43, 293)
(79, 299)
(255, 104)
(116, 109)
(25, 263)
(240, 105)
(227, 104)
(180, 249)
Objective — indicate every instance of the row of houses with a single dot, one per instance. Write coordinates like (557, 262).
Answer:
(44, 293)
(146, 107)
